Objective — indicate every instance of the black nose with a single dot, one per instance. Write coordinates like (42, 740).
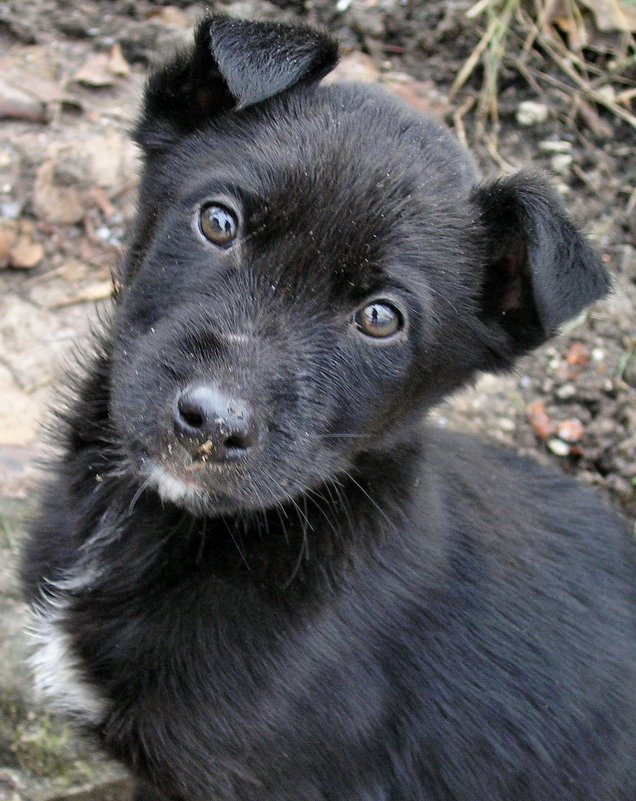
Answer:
(212, 425)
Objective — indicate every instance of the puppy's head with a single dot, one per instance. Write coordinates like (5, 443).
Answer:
(311, 268)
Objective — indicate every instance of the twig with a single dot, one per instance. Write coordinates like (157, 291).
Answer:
(466, 71)
(458, 122)
(495, 52)
(590, 80)
(585, 87)
(626, 96)
(525, 71)
(495, 155)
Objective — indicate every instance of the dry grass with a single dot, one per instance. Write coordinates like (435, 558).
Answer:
(515, 32)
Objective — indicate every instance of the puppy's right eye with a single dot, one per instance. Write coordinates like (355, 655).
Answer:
(218, 224)
(379, 320)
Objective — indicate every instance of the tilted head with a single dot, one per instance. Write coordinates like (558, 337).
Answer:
(312, 267)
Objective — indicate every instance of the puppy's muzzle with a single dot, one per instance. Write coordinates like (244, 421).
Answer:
(212, 426)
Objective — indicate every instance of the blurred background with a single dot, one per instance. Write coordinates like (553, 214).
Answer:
(549, 84)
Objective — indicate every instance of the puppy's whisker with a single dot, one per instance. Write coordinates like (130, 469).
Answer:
(142, 487)
(303, 550)
(373, 502)
(338, 436)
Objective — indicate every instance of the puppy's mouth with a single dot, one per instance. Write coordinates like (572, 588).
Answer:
(198, 484)
(176, 486)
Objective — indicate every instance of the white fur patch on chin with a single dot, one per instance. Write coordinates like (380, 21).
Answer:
(57, 671)
(171, 488)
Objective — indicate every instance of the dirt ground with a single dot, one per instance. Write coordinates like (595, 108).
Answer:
(70, 77)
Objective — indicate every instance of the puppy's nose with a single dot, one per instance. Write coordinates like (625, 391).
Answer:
(213, 426)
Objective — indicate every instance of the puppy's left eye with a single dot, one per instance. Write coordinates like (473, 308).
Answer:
(218, 224)
(380, 319)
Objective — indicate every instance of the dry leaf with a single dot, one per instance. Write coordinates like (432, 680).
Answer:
(354, 67)
(578, 355)
(170, 15)
(8, 235)
(18, 413)
(612, 15)
(25, 252)
(96, 71)
(422, 95)
(16, 104)
(54, 202)
(118, 64)
(17, 246)
(102, 290)
(540, 420)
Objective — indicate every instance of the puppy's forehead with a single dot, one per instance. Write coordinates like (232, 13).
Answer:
(343, 141)
(334, 176)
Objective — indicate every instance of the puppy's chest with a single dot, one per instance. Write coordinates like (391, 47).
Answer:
(97, 654)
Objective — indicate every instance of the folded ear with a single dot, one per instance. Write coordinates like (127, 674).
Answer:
(233, 64)
(540, 271)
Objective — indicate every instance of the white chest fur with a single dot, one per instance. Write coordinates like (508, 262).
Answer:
(58, 674)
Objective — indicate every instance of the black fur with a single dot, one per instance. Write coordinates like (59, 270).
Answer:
(354, 607)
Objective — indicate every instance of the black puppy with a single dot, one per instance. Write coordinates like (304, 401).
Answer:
(255, 575)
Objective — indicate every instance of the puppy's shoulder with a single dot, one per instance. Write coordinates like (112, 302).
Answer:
(506, 497)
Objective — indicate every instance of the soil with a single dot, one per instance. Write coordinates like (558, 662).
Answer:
(71, 73)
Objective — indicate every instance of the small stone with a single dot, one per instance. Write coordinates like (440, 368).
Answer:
(10, 209)
(561, 162)
(506, 424)
(555, 146)
(565, 392)
(608, 93)
(598, 355)
(570, 430)
(25, 253)
(531, 113)
(608, 386)
(558, 447)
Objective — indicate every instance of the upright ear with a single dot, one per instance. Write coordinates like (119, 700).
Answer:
(232, 64)
(540, 271)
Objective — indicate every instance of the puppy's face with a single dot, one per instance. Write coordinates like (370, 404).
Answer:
(284, 312)
(308, 274)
